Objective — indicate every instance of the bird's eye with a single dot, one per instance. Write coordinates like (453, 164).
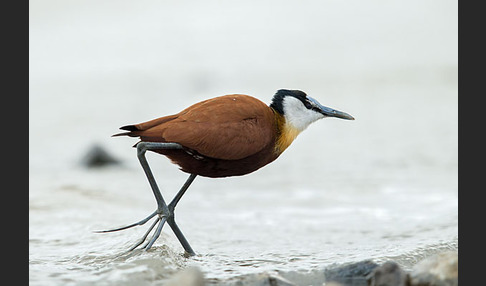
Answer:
(307, 104)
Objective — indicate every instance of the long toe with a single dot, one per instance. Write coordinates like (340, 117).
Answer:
(142, 222)
(141, 240)
(157, 232)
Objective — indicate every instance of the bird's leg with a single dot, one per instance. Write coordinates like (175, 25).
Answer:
(171, 219)
(164, 212)
(142, 147)
(181, 192)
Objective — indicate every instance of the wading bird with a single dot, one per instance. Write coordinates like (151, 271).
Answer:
(230, 135)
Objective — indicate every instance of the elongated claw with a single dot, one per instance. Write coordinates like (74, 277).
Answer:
(142, 222)
(144, 236)
(156, 234)
(160, 220)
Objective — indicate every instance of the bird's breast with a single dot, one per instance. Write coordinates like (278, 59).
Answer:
(287, 135)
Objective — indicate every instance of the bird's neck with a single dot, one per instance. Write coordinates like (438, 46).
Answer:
(286, 133)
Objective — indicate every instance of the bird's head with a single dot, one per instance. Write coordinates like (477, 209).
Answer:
(300, 110)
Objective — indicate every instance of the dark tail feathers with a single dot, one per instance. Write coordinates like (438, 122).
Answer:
(129, 128)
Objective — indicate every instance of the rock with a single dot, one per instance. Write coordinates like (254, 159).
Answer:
(262, 279)
(388, 274)
(266, 279)
(333, 284)
(97, 156)
(191, 276)
(353, 274)
(438, 270)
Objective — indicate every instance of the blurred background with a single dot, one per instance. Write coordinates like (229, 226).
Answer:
(384, 185)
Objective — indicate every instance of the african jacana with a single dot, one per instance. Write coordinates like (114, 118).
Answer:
(230, 135)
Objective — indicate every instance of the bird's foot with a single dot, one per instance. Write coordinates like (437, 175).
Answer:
(160, 220)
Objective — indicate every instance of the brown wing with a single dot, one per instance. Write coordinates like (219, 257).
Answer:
(229, 127)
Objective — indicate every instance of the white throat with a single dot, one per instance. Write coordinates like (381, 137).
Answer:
(297, 115)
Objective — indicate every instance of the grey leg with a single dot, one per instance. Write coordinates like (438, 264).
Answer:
(164, 212)
(142, 147)
(171, 219)
(181, 192)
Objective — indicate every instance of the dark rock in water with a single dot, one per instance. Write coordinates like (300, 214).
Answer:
(353, 274)
(97, 156)
(438, 270)
(388, 274)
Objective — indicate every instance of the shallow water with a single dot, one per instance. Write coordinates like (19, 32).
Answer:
(381, 187)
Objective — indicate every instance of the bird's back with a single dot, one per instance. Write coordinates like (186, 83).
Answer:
(223, 136)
